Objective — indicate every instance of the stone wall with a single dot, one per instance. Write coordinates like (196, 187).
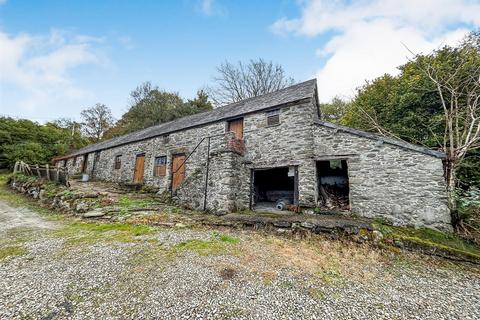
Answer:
(400, 185)
(287, 144)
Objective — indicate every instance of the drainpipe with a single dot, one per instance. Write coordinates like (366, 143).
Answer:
(206, 176)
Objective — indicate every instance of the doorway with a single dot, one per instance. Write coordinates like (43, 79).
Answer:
(139, 168)
(274, 189)
(84, 163)
(178, 170)
(333, 185)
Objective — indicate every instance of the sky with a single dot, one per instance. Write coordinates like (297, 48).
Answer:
(60, 57)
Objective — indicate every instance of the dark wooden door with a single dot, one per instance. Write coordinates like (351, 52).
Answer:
(178, 170)
(236, 126)
(139, 168)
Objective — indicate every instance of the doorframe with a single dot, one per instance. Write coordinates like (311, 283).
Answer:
(135, 167)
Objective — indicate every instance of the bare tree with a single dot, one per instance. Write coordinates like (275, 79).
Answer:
(237, 82)
(96, 120)
(458, 86)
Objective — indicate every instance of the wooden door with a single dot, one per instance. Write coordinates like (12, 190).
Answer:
(178, 170)
(236, 126)
(139, 168)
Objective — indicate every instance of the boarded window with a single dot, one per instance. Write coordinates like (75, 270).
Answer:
(273, 117)
(160, 166)
(118, 162)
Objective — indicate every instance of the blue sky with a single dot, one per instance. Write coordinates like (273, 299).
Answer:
(58, 57)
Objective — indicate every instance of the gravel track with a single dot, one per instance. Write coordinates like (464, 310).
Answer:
(114, 280)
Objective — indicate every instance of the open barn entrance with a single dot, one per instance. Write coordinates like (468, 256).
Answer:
(274, 189)
(333, 186)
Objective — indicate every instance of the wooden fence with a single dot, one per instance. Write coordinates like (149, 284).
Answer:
(56, 174)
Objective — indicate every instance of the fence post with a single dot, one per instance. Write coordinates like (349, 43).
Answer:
(38, 171)
(48, 172)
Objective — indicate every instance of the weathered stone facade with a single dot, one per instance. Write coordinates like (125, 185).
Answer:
(400, 185)
(395, 181)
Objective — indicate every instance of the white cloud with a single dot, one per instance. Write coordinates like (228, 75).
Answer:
(38, 70)
(211, 8)
(370, 36)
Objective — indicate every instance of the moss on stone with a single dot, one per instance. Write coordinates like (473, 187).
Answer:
(429, 238)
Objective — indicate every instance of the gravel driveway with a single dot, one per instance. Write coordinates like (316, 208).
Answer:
(209, 274)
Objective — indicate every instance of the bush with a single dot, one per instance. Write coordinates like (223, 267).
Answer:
(467, 215)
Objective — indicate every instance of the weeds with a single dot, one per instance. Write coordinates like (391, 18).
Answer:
(220, 244)
(12, 251)
(89, 233)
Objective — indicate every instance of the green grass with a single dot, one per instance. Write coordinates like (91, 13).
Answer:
(11, 251)
(330, 276)
(220, 244)
(225, 238)
(127, 202)
(430, 238)
(90, 233)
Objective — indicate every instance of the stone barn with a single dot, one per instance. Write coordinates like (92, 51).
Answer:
(273, 152)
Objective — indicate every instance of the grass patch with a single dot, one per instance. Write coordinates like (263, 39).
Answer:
(89, 233)
(225, 238)
(127, 202)
(12, 251)
(330, 276)
(431, 238)
(220, 244)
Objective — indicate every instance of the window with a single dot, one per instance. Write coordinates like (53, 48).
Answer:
(160, 166)
(273, 117)
(74, 160)
(118, 161)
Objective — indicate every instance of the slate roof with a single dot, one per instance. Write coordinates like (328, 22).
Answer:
(295, 93)
(383, 139)
(290, 94)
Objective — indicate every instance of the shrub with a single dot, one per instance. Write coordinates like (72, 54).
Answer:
(467, 215)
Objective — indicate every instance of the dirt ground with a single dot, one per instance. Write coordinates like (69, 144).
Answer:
(62, 268)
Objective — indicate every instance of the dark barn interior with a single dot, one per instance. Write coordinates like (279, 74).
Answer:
(333, 186)
(273, 188)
